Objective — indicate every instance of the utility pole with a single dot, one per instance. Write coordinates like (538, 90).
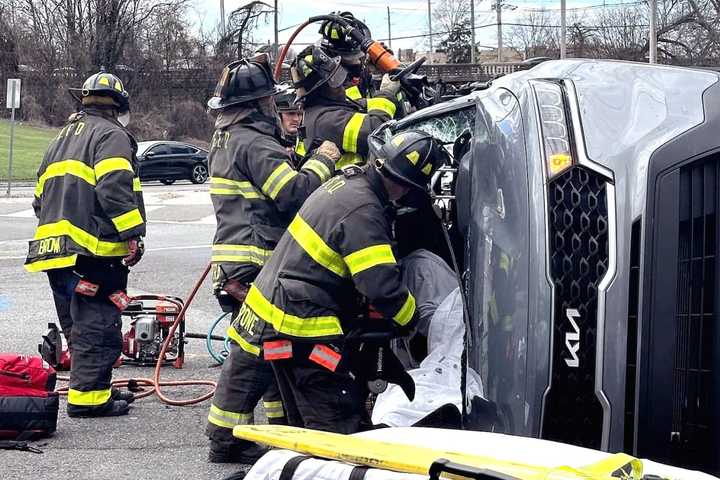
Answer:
(498, 11)
(472, 31)
(563, 29)
(277, 45)
(222, 17)
(653, 31)
(389, 31)
(430, 31)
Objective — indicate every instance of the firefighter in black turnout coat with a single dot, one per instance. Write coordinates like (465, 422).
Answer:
(91, 223)
(255, 192)
(302, 307)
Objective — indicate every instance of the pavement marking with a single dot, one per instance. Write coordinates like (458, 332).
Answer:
(29, 213)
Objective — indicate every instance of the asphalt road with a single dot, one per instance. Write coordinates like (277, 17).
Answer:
(154, 441)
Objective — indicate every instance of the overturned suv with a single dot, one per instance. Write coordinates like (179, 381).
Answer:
(584, 209)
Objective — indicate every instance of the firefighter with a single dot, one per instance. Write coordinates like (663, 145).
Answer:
(329, 115)
(358, 84)
(91, 223)
(303, 306)
(290, 117)
(255, 193)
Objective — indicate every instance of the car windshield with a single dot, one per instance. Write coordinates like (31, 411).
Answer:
(446, 126)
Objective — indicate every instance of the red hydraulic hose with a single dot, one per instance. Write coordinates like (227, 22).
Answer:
(283, 53)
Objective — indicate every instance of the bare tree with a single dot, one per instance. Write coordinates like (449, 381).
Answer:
(242, 22)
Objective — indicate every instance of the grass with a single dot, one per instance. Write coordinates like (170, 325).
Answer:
(28, 149)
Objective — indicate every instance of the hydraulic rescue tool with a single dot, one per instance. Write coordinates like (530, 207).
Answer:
(415, 86)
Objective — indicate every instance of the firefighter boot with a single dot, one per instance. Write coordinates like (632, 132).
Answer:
(117, 394)
(240, 452)
(113, 408)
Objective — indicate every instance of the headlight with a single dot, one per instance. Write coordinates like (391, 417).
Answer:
(554, 127)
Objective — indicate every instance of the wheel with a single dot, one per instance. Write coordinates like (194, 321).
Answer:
(167, 181)
(199, 174)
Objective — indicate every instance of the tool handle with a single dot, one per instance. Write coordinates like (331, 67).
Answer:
(443, 465)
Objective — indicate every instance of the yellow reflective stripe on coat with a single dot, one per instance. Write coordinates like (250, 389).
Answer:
(318, 168)
(51, 263)
(93, 244)
(292, 325)
(128, 220)
(315, 247)
(240, 253)
(349, 158)
(112, 164)
(407, 311)
(226, 186)
(137, 187)
(274, 409)
(300, 148)
(223, 418)
(92, 398)
(277, 180)
(369, 257)
(353, 93)
(382, 104)
(352, 132)
(242, 343)
(75, 168)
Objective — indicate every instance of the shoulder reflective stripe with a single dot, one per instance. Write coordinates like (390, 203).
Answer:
(108, 165)
(318, 168)
(240, 253)
(325, 356)
(128, 220)
(277, 180)
(382, 104)
(62, 168)
(369, 257)
(226, 186)
(352, 132)
(316, 247)
(223, 418)
(93, 398)
(290, 324)
(137, 187)
(349, 158)
(407, 311)
(300, 148)
(82, 238)
(242, 343)
(353, 93)
(43, 265)
(274, 409)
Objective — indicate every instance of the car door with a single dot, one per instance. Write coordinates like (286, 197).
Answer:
(180, 161)
(153, 163)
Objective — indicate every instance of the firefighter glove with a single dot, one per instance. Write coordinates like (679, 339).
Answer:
(390, 86)
(136, 248)
(330, 150)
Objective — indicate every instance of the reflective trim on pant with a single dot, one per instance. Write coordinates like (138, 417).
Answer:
(226, 419)
(274, 409)
(93, 398)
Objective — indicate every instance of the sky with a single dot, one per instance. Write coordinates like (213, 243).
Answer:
(407, 17)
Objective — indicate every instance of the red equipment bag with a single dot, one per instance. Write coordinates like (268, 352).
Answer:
(28, 404)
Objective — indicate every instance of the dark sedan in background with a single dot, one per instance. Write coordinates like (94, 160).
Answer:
(168, 161)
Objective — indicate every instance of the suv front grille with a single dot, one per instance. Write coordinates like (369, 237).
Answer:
(578, 235)
(696, 340)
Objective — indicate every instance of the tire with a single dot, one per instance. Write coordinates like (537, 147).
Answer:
(199, 173)
(167, 181)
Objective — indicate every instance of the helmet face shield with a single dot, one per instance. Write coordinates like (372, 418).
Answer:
(338, 77)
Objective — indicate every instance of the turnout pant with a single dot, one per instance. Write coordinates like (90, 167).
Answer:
(314, 397)
(245, 378)
(93, 326)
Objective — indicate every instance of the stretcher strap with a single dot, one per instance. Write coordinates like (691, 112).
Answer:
(291, 465)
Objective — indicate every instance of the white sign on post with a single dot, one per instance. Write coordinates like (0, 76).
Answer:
(13, 93)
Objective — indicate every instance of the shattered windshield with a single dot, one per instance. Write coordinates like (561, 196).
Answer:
(446, 126)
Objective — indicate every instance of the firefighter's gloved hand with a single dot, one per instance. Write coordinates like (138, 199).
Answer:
(330, 150)
(390, 86)
(136, 246)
